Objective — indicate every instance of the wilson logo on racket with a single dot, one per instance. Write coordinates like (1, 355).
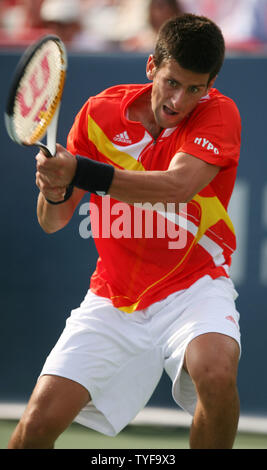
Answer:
(35, 87)
(42, 112)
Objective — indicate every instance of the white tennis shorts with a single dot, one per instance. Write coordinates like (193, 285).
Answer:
(120, 357)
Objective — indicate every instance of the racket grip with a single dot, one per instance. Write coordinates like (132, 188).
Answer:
(45, 151)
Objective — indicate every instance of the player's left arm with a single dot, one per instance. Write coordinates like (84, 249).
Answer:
(185, 177)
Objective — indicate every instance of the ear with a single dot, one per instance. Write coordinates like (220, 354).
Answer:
(150, 68)
(211, 83)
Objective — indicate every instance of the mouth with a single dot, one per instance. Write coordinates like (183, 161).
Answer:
(169, 111)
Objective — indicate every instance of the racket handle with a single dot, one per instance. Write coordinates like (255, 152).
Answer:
(45, 150)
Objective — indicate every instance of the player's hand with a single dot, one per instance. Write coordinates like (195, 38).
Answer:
(57, 172)
(51, 193)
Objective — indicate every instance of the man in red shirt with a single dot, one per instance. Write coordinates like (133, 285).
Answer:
(153, 303)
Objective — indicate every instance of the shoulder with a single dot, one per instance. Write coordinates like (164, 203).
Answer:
(217, 107)
(213, 130)
(102, 102)
(109, 106)
(115, 93)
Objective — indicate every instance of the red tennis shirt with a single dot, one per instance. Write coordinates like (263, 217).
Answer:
(144, 254)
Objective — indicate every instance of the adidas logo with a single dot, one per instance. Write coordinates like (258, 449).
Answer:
(123, 137)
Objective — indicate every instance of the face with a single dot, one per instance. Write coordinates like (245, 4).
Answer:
(175, 92)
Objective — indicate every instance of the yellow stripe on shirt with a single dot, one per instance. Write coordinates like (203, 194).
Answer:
(212, 211)
(105, 146)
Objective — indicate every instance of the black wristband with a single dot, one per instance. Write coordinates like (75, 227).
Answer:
(94, 177)
(68, 194)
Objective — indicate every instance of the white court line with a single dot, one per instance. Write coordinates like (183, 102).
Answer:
(155, 416)
(173, 417)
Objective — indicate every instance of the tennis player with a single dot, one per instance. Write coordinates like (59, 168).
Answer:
(155, 302)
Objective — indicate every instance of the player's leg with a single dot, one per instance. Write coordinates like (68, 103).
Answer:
(54, 404)
(212, 361)
(105, 352)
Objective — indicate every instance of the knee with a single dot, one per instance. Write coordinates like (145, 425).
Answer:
(215, 382)
(212, 362)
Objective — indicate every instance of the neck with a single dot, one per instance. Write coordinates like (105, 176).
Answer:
(140, 111)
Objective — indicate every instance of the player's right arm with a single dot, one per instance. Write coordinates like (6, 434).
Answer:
(53, 217)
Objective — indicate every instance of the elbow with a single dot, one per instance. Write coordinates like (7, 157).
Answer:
(179, 194)
(49, 228)
(178, 189)
(187, 197)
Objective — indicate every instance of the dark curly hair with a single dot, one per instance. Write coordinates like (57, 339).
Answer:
(195, 42)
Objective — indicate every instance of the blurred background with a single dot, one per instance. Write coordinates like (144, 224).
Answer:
(43, 277)
(127, 25)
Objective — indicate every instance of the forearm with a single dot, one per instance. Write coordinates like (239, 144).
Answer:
(54, 217)
(148, 186)
(101, 178)
(185, 177)
(130, 186)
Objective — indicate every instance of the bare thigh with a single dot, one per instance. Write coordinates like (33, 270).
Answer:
(55, 402)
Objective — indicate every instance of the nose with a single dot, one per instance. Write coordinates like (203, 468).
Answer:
(178, 99)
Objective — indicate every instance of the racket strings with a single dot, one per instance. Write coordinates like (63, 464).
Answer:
(39, 92)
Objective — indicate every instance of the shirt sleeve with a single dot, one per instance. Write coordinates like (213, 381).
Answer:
(213, 133)
(78, 142)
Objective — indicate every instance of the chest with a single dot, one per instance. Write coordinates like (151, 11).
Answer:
(129, 145)
(147, 153)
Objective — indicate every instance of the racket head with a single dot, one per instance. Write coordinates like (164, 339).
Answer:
(36, 90)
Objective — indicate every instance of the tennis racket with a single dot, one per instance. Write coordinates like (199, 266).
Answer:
(35, 95)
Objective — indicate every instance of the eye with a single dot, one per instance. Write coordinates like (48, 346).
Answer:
(172, 83)
(194, 90)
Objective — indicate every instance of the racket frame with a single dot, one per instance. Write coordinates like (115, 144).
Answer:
(51, 127)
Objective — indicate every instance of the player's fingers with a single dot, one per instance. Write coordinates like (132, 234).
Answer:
(50, 173)
(46, 179)
(60, 148)
(52, 163)
(41, 158)
(46, 165)
(60, 170)
(45, 186)
(53, 194)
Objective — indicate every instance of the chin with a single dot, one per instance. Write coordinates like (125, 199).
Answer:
(167, 123)
(170, 124)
